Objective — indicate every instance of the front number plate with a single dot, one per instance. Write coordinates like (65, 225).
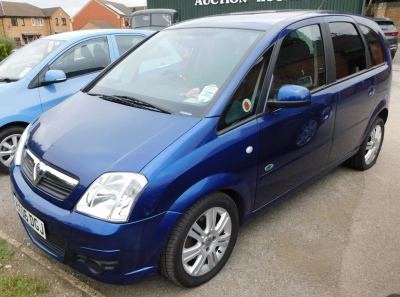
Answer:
(36, 224)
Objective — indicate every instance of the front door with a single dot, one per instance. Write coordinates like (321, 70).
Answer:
(295, 142)
(81, 64)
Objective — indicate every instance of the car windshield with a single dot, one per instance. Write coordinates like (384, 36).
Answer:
(181, 71)
(22, 61)
(159, 20)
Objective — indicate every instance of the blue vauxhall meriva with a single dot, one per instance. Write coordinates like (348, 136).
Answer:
(157, 162)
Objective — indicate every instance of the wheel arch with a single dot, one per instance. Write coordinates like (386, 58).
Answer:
(232, 185)
(14, 124)
(383, 114)
(238, 200)
(381, 111)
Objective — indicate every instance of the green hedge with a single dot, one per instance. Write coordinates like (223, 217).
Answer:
(9, 43)
(3, 52)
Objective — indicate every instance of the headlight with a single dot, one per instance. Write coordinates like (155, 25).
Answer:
(20, 148)
(112, 196)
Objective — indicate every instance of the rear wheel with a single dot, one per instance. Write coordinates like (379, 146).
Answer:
(202, 241)
(9, 138)
(370, 147)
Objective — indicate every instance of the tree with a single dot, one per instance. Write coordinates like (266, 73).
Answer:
(9, 44)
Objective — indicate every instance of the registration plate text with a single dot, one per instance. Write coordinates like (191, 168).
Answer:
(36, 224)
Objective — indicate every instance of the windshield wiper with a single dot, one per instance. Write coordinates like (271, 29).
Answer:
(8, 80)
(133, 102)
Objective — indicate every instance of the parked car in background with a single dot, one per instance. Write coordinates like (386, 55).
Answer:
(156, 163)
(49, 70)
(391, 33)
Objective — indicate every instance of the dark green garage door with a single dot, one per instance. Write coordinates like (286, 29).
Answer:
(189, 9)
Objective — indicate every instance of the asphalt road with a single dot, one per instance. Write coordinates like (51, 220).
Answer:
(338, 237)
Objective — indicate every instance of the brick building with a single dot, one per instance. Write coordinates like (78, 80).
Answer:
(98, 25)
(115, 14)
(25, 22)
(389, 10)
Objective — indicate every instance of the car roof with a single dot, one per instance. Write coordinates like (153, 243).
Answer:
(382, 19)
(256, 20)
(95, 32)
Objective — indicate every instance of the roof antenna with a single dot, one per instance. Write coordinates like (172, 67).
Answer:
(319, 8)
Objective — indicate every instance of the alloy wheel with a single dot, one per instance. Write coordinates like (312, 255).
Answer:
(207, 241)
(373, 144)
(8, 147)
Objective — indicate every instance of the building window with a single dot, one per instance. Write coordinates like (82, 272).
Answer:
(14, 21)
(22, 22)
(17, 40)
(56, 21)
(33, 22)
(40, 22)
(64, 21)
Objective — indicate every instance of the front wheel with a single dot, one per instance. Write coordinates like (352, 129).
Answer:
(9, 138)
(370, 147)
(201, 242)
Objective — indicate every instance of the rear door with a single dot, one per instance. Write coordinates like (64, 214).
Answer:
(357, 85)
(124, 42)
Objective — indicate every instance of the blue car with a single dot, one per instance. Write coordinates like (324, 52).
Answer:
(155, 164)
(49, 70)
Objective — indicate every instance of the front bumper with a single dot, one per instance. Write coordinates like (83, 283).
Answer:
(108, 252)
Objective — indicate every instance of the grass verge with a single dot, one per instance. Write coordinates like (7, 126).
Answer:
(5, 252)
(12, 284)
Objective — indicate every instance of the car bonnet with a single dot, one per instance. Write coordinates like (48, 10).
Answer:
(87, 136)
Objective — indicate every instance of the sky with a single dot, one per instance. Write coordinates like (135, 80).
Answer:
(73, 6)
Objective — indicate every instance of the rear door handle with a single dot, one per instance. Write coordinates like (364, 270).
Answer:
(371, 91)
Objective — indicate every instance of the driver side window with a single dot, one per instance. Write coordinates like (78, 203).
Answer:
(301, 60)
(84, 58)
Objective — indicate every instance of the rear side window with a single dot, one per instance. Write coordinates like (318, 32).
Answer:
(349, 49)
(125, 42)
(374, 45)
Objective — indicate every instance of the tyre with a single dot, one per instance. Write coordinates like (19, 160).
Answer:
(9, 138)
(202, 241)
(370, 147)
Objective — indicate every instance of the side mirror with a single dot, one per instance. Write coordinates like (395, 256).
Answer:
(53, 76)
(291, 96)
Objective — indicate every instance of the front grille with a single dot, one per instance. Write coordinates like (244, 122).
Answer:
(46, 177)
(54, 248)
